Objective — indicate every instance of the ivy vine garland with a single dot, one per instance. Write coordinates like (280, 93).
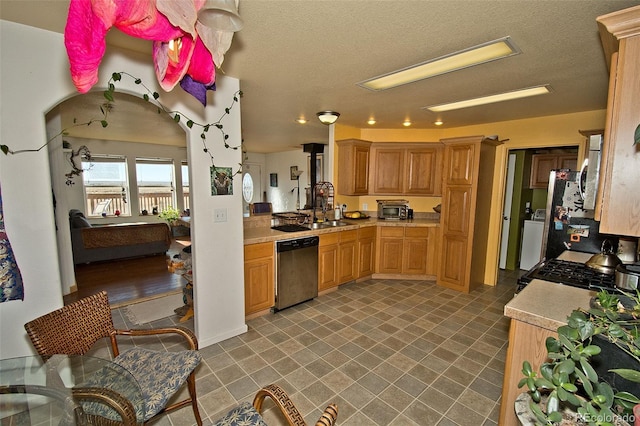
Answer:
(153, 98)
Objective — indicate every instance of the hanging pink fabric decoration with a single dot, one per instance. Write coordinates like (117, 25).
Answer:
(178, 50)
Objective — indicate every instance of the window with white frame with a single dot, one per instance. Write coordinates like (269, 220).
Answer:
(156, 184)
(106, 186)
(185, 185)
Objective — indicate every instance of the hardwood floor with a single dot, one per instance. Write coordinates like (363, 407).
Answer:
(130, 279)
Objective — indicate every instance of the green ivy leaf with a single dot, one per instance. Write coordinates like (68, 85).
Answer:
(636, 137)
(156, 95)
(176, 118)
(145, 97)
(190, 124)
(116, 76)
(108, 95)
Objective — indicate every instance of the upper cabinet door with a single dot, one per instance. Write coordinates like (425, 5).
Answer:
(460, 161)
(388, 170)
(353, 167)
(424, 171)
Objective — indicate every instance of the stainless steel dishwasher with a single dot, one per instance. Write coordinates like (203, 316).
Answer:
(296, 271)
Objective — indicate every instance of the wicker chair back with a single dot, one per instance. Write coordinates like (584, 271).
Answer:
(72, 329)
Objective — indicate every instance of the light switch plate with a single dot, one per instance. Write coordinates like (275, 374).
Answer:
(220, 215)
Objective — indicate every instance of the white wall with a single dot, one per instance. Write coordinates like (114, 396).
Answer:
(34, 77)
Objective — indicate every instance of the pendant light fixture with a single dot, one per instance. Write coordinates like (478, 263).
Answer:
(328, 117)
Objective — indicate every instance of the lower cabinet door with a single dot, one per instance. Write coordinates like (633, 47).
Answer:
(258, 285)
(327, 266)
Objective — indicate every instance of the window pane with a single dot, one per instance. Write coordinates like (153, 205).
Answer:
(155, 184)
(185, 186)
(106, 187)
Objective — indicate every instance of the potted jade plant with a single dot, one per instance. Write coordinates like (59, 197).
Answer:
(592, 376)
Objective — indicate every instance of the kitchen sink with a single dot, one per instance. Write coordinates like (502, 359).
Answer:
(335, 223)
(327, 224)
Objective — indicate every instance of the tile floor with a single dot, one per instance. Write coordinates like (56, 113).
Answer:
(387, 352)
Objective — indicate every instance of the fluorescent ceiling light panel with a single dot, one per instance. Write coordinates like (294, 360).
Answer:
(506, 96)
(487, 52)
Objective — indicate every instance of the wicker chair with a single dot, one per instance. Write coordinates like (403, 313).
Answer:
(247, 414)
(75, 328)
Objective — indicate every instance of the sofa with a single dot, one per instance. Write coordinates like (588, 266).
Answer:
(116, 241)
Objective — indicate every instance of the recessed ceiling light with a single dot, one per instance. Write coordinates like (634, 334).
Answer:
(406, 123)
(438, 122)
(371, 122)
(499, 97)
(301, 120)
(483, 53)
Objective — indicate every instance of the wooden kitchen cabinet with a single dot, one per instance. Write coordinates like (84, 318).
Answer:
(347, 256)
(390, 241)
(387, 170)
(542, 164)
(415, 248)
(259, 292)
(413, 169)
(407, 250)
(466, 207)
(617, 202)
(424, 171)
(337, 259)
(328, 261)
(353, 166)
(366, 251)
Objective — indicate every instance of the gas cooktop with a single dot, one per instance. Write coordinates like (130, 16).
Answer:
(568, 273)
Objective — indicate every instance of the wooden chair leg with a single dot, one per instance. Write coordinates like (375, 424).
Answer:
(191, 385)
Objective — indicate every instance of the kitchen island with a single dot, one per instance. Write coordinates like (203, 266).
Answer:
(536, 313)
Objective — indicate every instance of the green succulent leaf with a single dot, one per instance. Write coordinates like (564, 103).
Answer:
(591, 350)
(566, 367)
(626, 396)
(588, 370)
(542, 383)
(104, 123)
(553, 403)
(636, 136)
(116, 76)
(555, 417)
(625, 373)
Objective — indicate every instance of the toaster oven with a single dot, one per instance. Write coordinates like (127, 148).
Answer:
(392, 209)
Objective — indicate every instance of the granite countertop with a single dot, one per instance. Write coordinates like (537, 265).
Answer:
(546, 304)
(265, 234)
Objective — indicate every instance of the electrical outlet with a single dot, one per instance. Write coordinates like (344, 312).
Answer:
(365, 206)
(220, 215)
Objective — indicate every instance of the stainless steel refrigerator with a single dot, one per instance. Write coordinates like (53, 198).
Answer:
(569, 225)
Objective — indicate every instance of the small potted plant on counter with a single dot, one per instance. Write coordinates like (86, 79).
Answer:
(596, 352)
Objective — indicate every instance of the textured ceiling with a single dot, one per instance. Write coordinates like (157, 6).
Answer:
(297, 57)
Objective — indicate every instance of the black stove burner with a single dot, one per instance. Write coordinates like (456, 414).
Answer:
(568, 273)
(290, 228)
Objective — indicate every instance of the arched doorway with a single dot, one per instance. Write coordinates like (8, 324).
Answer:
(135, 133)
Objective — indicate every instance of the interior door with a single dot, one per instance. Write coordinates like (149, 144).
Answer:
(506, 210)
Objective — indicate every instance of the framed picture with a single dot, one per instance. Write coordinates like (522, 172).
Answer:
(294, 172)
(221, 182)
(273, 179)
(319, 168)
